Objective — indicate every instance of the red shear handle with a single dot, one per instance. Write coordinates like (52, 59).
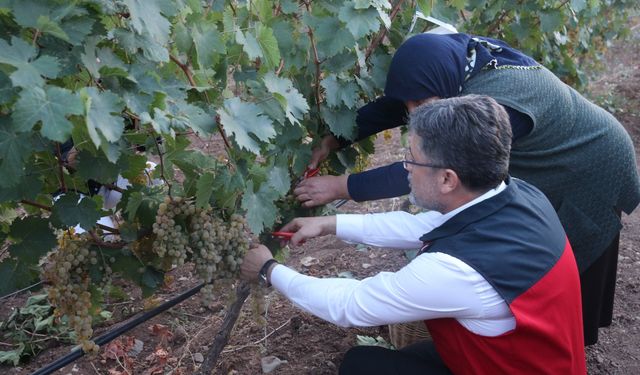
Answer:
(311, 172)
(283, 235)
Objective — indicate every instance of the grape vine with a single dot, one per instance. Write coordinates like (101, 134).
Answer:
(92, 90)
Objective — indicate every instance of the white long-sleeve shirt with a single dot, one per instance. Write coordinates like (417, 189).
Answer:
(433, 285)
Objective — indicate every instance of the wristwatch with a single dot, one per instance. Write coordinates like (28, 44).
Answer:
(263, 272)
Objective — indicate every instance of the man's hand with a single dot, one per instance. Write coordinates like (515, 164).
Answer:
(316, 191)
(327, 144)
(253, 261)
(310, 227)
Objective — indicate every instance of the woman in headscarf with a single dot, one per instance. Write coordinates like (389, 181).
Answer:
(578, 154)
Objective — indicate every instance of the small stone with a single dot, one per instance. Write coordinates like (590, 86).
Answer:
(138, 345)
(198, 357)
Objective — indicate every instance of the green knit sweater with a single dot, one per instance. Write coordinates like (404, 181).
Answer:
(578, 154)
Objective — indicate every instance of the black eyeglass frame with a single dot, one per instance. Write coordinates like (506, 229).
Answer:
(406, 162)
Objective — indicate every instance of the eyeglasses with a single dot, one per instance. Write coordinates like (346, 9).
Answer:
(408, 160)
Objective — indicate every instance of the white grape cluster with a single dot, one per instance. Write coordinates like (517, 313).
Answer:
(67, 272)
(220, 248)
(171, 240)
(215, 246)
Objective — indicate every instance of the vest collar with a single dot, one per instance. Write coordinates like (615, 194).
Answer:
(472, 214)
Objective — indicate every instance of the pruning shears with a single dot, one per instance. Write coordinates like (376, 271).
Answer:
(308, 173)
(282, 235)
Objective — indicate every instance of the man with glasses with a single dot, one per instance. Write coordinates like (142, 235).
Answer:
(495, 281)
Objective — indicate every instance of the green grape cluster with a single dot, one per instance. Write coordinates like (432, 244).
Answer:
(171, 240)
(66, 269)
(220, 245)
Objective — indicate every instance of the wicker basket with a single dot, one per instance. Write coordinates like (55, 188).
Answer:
(403, 334)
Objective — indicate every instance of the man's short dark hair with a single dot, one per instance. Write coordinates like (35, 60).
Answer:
(468, 134)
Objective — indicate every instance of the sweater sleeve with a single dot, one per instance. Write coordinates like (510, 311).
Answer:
(376, 116)
(384, 182)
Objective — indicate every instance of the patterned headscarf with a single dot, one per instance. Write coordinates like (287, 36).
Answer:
(428, 65)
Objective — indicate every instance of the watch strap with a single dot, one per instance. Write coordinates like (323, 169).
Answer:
(263, 271)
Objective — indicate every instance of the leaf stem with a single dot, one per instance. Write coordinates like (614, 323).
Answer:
(161, 156)
(63, 186)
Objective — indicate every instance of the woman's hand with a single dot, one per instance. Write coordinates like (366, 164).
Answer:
(320, 153)
(305, 228)
(316, 191)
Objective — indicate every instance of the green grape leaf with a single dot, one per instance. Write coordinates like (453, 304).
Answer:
(102, 111)
(359, 22)
(204, 189)
(136, 164)
(458, 4)
(103, 58)
(68, 212)
(337, 92)
(424, 6)
(129, 266)
(578, 5)
(261, 211)
(33, 238)
(209, 45)
(7, 91)
(249, 44)
(241, 118)
(551, 20)
(279, 180)
(340, 121)
(15, 276)
(146, 18)
(268, 45)
(51, 106)
(14, 151)
(151, 49)
(332, 37)
(30, 69)
(96, 168)
(47, 26)
(289, 6)
(289, 97)
(26, 12)
(77, 28)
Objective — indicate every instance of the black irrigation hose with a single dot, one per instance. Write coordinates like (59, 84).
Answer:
(105, 338)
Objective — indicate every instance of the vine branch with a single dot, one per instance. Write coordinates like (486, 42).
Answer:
(316, 60)
(382, 33)
(496, 24)
(187, 72)
(222, 337)
(48, 208)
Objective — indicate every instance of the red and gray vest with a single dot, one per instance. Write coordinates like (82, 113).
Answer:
(516, 242)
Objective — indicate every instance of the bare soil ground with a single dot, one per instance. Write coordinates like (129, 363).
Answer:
(175, 342)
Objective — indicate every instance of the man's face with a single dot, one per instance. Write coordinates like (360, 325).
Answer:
(423, 180)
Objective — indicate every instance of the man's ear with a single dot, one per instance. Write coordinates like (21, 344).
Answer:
(449, 181)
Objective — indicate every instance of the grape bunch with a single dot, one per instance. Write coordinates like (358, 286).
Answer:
(220, 247)
(171, 240)
(66, 269)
